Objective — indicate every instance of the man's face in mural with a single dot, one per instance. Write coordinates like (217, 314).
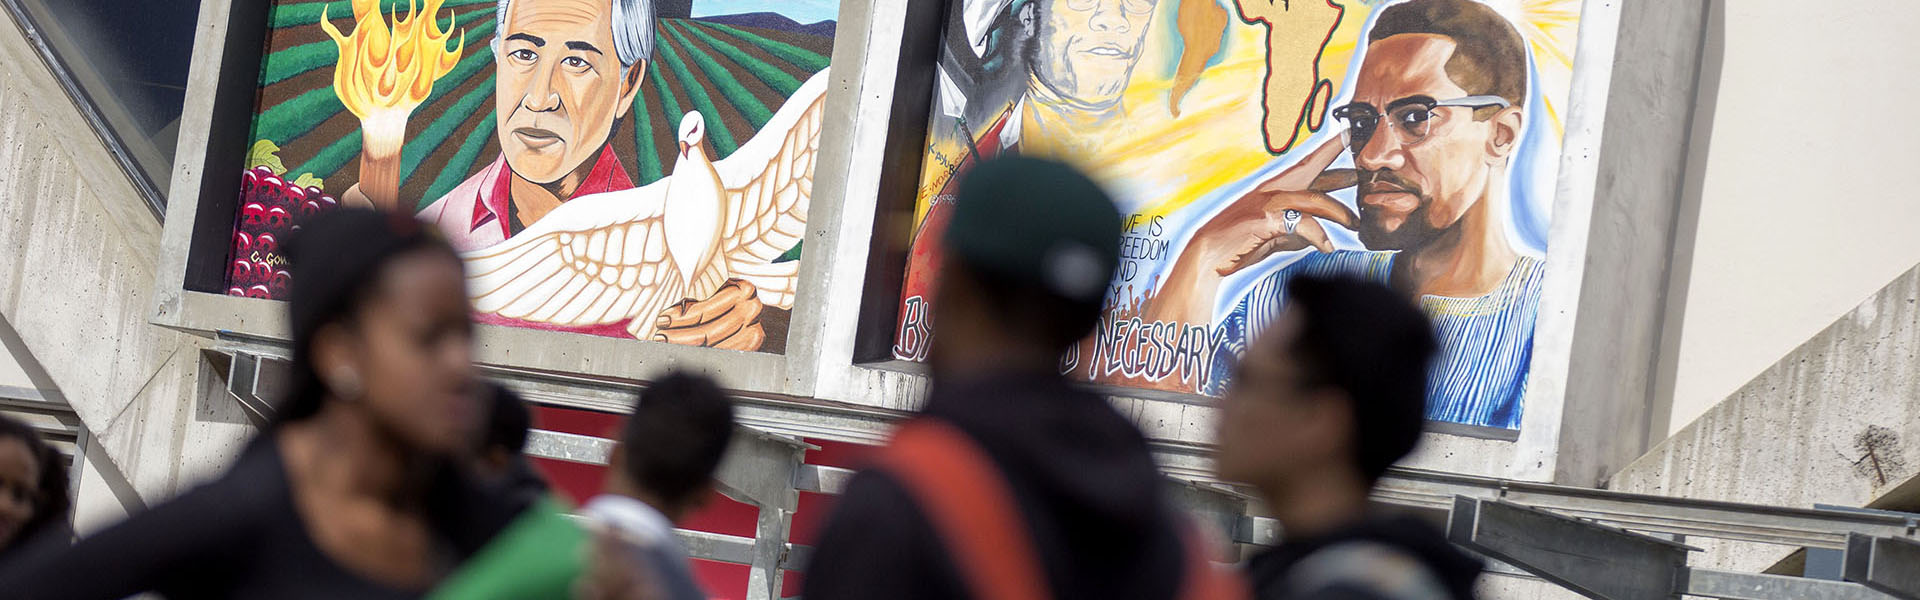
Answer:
(1085, 49)
(1414, 187)
(560, 86)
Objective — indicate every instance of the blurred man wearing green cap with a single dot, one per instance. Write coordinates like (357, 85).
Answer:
(1011, 483)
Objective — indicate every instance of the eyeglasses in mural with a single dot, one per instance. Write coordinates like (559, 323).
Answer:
(1412, 142)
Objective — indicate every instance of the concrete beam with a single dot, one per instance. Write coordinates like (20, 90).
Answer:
(1628, 242)
(1890, 565)
(1833, 422)
(1596, 560)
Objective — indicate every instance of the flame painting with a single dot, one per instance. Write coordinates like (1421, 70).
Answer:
(391, 67)
(385, 71)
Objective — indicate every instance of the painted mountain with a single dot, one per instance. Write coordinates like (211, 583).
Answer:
(774, 21)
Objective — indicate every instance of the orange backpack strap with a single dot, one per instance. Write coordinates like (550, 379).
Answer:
(1202, 580)
(970, 506)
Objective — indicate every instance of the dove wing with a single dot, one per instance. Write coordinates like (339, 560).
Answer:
(768, 184)
(594, 260)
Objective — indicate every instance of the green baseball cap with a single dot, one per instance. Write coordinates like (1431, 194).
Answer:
(1038, 222)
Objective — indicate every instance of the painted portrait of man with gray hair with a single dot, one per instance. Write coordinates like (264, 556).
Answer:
(566, 75)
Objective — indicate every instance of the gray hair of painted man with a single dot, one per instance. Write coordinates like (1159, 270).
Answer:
(632, 29)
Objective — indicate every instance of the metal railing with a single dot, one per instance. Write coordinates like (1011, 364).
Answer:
(1797, 527)
(765, 468)
(1601, 561)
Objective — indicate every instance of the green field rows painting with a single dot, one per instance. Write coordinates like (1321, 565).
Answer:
(626, 168)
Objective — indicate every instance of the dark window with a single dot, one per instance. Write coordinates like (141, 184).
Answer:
(125, 63)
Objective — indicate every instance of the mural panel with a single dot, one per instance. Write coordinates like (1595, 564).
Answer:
(1249, 141)
(626, 168)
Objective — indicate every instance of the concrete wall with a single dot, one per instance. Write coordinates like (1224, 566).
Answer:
(1836, 421)
(102, 494)
(1610, 254)
(77, 252)
(11, 373)
(1800, 178)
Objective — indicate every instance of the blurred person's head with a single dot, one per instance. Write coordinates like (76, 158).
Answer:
(1331, 395)
(33, 484)
(499, 456)
(1437, 112)
(1029, 252)
(672, 443)
(381, 331)
(1084, 51)
(505, 436)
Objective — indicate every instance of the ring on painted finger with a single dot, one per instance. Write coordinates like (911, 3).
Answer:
(1291, 219)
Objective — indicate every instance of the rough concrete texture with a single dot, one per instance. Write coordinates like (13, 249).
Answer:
(77, 248)
(1501, 586)
(1837, 421)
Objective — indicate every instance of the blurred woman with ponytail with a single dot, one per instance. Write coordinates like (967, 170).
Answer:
(354, 491)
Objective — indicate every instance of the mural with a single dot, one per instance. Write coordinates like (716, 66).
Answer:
(1413, 142)
(629, 168)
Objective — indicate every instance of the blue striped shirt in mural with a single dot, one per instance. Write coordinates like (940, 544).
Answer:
(1486, 342)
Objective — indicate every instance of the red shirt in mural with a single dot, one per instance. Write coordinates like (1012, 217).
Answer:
(476, 215)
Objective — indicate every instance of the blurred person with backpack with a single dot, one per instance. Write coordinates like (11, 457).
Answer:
(1011, 483)
(660, 471)
(1318, 409)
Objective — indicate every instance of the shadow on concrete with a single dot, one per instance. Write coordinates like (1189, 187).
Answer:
(1687, 219)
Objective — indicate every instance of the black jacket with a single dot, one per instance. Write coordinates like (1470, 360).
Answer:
(1081, 474)
(239, 536)
(1399, 558)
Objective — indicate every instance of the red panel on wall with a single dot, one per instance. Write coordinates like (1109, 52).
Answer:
(574, 481)
(846, 455)
(579, 422)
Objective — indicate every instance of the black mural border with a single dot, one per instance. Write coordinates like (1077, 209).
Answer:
(900, 164)
(226, 151)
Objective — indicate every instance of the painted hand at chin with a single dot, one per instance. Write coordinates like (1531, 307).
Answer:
(1279, 215)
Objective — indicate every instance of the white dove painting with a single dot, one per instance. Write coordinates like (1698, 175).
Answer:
(626, 256)
(605, 171)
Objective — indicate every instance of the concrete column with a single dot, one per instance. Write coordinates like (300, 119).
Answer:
(1628, 242)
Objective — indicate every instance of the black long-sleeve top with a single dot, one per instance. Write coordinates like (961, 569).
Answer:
(1081, 474)
(239, 536)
